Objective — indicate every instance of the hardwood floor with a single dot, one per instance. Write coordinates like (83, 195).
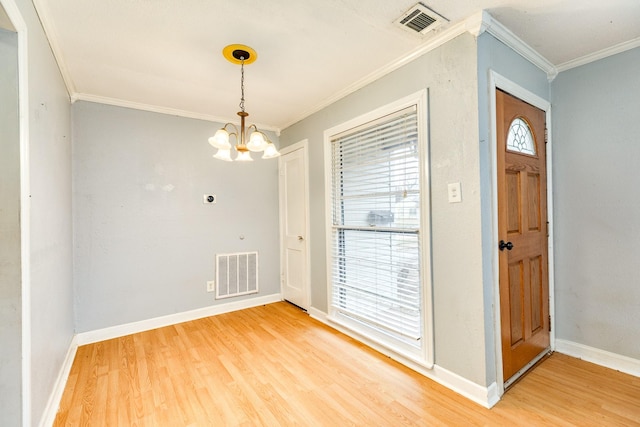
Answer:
(274, 365)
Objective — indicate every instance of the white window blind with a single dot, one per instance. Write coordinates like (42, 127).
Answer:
(375, 198)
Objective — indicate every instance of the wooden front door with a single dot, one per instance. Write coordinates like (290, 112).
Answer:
(522, 232)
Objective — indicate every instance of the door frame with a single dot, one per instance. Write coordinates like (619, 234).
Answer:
(301, 145)
(17, 20)
(497, 81)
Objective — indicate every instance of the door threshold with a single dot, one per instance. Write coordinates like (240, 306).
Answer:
(296, 305)
(529, 366)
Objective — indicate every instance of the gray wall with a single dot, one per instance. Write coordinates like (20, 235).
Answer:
(10, 272)
(597, 203)
(449, 72)
(145, 243)
(495, 55)
(50, 328)
(50, 261)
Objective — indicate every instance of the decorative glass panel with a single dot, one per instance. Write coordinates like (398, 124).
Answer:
(520, 138)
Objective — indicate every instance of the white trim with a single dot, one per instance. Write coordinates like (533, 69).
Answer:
(172, 319)
(610, 360)
(601, 54)
(15, 16)
(506, 36)
(475, 25)
(53, 404)
(485, 396)
(498, 81)
(301, 145)
(420, 100)
(160, 109)
(426, 274)
(317, 314)
(48, 26)
(436, 41)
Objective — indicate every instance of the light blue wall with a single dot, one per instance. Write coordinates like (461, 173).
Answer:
(457, 76)
(145, 243)
(493, 55)
(596, 128)
(50, 302)
(449, 73)
(10, 265)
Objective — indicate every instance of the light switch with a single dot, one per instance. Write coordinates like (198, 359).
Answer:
(455, 194)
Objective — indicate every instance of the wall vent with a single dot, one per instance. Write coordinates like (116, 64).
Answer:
(420, 19)
(236, 274)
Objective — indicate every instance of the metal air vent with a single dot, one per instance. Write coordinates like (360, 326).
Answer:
(420, 19)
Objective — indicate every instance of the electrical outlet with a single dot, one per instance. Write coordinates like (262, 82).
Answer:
(211, 286)
(208, 199)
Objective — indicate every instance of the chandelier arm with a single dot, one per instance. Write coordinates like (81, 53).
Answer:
(234, 133)
(235, 128)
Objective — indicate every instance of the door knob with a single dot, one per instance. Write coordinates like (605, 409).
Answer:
(300, 238)
(503, 245)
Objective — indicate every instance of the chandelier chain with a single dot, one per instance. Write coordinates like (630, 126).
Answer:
(242, 85)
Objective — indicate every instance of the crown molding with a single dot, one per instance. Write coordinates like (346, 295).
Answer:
(50, 32)
(492, 26)
(439, 38)
(601, 54)
(162, 110)
(475, 25)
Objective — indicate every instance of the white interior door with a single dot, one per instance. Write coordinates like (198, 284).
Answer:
(294, 224)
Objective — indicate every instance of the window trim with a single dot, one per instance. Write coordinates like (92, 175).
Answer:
(425, 355)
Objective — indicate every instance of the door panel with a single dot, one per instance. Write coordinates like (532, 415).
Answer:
(537, 293)
(533, 189)
(516, 286)
(522, 223)
(513, 206)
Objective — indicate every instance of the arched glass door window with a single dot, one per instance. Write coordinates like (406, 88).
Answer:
(520, 138)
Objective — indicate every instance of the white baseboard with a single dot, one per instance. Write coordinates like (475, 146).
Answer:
(484, 396)
(320, 316)
(50, 411)
(172, 319)
(604, 358)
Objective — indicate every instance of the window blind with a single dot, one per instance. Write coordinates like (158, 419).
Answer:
(375, 199)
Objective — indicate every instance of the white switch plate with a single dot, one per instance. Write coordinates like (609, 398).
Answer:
(211, 286)
(455, 194)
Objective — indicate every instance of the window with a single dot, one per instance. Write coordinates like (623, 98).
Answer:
(375, 247)
(520, 138)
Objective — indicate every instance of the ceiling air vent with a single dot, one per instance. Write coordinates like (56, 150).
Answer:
(420, 19)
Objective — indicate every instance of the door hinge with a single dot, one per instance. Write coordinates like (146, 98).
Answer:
(546, 135)
(547, 228)
(549, 323)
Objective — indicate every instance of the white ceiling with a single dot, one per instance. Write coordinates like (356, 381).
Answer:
(166, 54)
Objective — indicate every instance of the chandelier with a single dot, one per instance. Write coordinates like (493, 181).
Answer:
(257, 140)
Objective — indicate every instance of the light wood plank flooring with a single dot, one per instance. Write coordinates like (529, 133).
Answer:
(274, 365)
